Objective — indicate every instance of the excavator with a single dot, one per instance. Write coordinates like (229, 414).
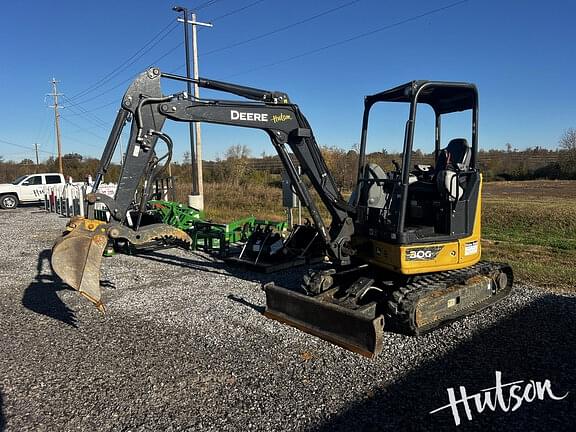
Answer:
(404, 249)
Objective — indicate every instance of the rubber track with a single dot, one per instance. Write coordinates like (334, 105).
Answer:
(402, 305)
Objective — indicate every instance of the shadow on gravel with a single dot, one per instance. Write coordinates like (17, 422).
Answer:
(243, 301)
(218, 266)
(41, 295)
(2, 419)
(536, 343)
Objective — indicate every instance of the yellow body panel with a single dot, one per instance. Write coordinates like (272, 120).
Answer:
(428, 257)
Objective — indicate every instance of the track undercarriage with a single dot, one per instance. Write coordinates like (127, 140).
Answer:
(352, 308)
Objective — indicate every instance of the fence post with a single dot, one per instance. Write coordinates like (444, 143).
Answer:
(81, 201)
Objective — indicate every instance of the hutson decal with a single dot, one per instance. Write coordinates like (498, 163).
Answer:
(248, 116)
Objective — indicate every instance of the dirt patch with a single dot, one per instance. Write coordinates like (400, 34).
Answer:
(534, 189)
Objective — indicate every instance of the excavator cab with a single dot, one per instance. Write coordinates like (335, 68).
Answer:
(422, 204)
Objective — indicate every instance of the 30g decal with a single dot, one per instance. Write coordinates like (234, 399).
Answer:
(423, 253)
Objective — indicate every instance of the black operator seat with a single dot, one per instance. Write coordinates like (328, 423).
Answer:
(454, 158)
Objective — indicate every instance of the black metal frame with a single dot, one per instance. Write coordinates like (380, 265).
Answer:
(445, 98)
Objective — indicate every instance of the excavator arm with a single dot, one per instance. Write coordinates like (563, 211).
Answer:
(76, 256)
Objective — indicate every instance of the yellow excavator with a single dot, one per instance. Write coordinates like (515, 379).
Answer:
(404, 249)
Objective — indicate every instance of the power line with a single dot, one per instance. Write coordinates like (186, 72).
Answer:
(42, 134)
(80, 110)
(288, 59)
(283, 28)
(261, 36)
(235, 11)
(23, 146)
(170, 51)
(167, 53)
(353, 38)
(131, 78)
(205, 5)
(130, 61)
(115, 101)
(80, 142)
(82, 129)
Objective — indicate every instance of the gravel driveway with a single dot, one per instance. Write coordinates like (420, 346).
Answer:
(184, 346)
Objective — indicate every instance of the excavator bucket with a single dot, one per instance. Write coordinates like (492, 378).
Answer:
(77, 255)
(357, 329)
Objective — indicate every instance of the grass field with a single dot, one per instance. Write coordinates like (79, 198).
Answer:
(530, 224)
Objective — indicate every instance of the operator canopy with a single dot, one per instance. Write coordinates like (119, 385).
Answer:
(443, 97)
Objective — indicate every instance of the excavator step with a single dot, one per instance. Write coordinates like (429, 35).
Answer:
(357, 329)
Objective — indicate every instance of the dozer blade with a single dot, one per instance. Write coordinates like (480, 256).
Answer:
(357, 329)
(77, 255)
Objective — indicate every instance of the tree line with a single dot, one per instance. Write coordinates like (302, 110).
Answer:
(237, 167)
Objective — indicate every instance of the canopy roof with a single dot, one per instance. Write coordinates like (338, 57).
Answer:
(444, 97)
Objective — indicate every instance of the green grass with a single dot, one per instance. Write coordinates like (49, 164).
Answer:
(539, 223)
(536, 234)
(547, 267)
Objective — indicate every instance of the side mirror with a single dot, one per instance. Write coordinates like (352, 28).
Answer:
(25, 183)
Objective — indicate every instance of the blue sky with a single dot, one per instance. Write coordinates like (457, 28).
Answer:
(521, 54)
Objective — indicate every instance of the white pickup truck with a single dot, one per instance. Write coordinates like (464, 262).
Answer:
(28, 189)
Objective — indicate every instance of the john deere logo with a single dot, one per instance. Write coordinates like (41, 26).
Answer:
(423, 253)
(248, 116)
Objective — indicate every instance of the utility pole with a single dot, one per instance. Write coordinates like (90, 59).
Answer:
(184, 12)
(197, 96)
(55, 95)
(196, 199)
(36, 149)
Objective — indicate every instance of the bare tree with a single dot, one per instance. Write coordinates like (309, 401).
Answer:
(236, 163)
(237, 151)
(568, 140)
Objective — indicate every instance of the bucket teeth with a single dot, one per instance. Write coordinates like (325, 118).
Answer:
(176, 240)
(154, 233)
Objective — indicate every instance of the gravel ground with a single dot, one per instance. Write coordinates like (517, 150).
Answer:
(184, 346)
